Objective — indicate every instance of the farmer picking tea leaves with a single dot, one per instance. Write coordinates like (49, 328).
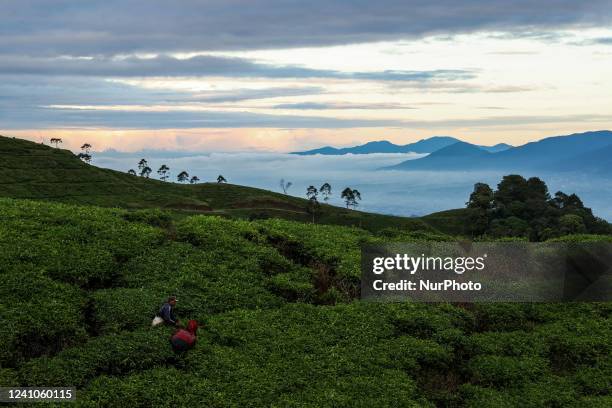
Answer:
(185, 339)
(166, 313)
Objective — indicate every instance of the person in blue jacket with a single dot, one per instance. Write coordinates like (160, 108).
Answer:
(167, 312)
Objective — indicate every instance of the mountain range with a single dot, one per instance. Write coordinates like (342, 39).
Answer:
(428, 145)
(588, 152)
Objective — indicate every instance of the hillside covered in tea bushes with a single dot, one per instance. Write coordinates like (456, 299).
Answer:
(282, 322)
(35, 171)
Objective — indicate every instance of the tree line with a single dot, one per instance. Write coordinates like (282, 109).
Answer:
(524, 208)
(349, 195)
(144, 170)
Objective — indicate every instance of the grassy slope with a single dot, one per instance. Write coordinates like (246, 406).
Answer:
(280, 329)
(34, 171)
(452, 222)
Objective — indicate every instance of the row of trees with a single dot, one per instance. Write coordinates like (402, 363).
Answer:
(164, 173)
(524, 208)
(349, 195)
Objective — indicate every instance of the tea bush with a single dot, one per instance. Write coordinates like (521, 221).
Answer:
(38, 316)
(112, 354)
(282, 325)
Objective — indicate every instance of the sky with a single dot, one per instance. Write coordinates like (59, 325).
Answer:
(279, 76)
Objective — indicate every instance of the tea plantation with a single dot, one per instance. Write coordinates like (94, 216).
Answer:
(282, 323)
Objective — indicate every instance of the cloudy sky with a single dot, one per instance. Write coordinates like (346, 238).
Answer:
(277, 75)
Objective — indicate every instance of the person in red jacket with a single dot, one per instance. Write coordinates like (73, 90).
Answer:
(185, 339)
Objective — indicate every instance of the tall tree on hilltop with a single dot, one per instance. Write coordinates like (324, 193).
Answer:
(56, 141)
(145, 171)
(312, 192)
(313, 202)
(285, 185)
(351, 197)
(163, 172)
(142, 164)
(326, 191)
(182, 176)
(84, 155)
(194, 180)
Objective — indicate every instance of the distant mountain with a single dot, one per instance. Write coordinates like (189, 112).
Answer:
(428, 145)
(500, 147)
(597, 161)
(581, 151)
(460, 155)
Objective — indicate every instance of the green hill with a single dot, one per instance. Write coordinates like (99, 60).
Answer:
(282, 326)
(35, 171)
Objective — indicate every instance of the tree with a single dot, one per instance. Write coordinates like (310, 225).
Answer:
(221, 179)
(163, 172)
(312, 193)
(481, 197)
(313, 203)
(145, 171)
(537, 189)
(348, 196)
(131, 172)
(313, 207)
(571, 224)
(142, 164)
(357, 196)
(56, 141)
(84, 157)
(285, 185)
(182, 176)
(479, 208)
(512, 188)
(326, 191)
(194, 180)
(351, 197)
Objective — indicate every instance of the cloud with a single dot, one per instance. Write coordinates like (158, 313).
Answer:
(250, 94)
(111, 27)
(203, 66)
(40, 118)
(34, 91)
(340, 106)
(510, 120)
(458, 87)
(602, 41)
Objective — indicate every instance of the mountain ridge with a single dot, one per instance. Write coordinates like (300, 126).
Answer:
(577, 151)
(427, 145)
